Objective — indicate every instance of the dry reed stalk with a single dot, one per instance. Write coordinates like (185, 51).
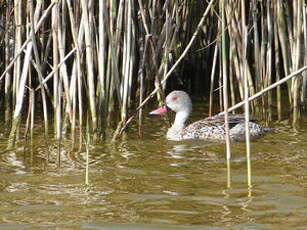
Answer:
(38, 67)
(256, 46)
(127, 61)
(296, 82)
(101, 60)
(168, 35)
(20, 96)
(269, 56)
(75, 82)
(277, 66)
(225, 91)
(232, 69)
(73, 79)
(212, 79)
(87, 147)
(87, 14)
(304, 85)
(27, 127)
(32, 100)
(108, 102)
(232, 86)
(56, 79)
(76, 86)
(262, 61)
(284, 42)
(61, 28)
(220, 87)
(141, 79)
(17, 46)
(8, 76)
(246, 92)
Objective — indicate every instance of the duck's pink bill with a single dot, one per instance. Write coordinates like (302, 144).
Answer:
(159, 111)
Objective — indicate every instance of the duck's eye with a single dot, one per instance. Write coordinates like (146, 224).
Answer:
(174, 98)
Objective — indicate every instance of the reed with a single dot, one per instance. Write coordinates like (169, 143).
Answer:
(87, 147)
(8, 76)
(246, 92)
(225, 92)
(103, 57)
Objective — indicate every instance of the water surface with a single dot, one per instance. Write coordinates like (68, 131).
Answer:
(150, 183)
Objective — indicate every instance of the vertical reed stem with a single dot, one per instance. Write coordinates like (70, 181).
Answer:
(86, 14)
(225, 94)
(246, 92)
(87, 146)
(215, 56)
(8, 76)
(304, 85)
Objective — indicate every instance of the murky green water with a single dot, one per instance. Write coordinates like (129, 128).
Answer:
(151, 183)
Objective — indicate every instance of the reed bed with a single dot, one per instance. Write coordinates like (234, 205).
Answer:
(65, 62)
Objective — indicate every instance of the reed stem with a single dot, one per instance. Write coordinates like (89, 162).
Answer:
(225, 92)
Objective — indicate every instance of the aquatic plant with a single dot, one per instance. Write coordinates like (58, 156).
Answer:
(67, 61)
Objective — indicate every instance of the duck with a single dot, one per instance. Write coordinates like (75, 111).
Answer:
(209, 128)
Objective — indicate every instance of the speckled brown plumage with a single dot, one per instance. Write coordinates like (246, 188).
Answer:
(214, 128)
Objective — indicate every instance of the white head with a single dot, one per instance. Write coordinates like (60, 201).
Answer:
(179, 102)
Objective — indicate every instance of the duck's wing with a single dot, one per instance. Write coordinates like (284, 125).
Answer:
(233, 119)
(217, 122)
(208, 128)
(214, 128)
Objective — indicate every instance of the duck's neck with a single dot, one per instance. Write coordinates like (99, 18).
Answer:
(174, 133)
(180, 119)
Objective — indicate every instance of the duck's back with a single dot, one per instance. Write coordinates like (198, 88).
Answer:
(208, 128)
(214, 128)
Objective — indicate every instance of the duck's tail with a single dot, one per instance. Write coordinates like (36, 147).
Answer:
(237, 133)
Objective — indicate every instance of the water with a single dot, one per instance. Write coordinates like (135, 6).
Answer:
(151, 183)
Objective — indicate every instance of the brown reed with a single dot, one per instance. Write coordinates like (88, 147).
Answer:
(102, 57)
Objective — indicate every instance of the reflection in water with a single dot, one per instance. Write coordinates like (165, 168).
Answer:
(152, 183)
(11, 160)
(178, 151)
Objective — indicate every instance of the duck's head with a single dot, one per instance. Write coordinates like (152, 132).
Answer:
(177, 101)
